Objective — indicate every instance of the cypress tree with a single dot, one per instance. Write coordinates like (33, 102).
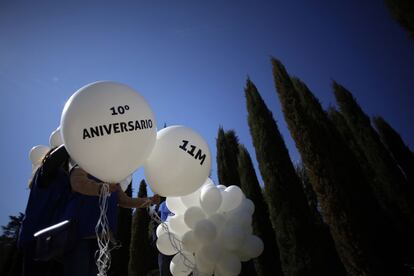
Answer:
(342, 127)
(347, 205)
(310, 194)
(289, 212)
(391, 186)
(269, 262)
(120, 257)
(140, 244)
(403, 13)
(227, 151)
(395, 144)
(325, 244)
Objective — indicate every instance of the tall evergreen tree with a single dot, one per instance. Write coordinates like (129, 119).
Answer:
(227, 151)
(139, 264)
(403, 12)
(395, 144)
(269, 262)
(347, 205)
(325, 244)
(120, 257)
(391, 186)
(289, 212)
(342, 127)
(310, 194)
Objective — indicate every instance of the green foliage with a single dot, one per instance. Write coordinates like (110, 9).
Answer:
(120, 257)
(403, 12)
(399, 150)
(139, 262)
(391, 186)
(227, 151)
(269, 262)
(347, 205)
(289, 212)
(11, 230)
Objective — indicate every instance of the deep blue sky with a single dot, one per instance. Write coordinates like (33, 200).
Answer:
(190, 60)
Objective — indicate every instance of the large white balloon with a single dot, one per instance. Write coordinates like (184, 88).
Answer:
(55, 139)
(182, 264)
(108, 129)
(180, 162)
(192, 199)
(37, 153)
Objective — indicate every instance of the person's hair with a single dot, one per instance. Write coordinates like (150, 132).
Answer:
(42, 163)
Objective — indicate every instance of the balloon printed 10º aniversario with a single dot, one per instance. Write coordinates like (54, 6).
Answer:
(108, 129)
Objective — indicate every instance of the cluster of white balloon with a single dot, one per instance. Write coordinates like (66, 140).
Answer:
(110, 131)
(210, 230)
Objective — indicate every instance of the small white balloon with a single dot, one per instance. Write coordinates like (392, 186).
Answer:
(182, 264)
(228, 265)
(193, 215)
(167, 244)
(221, 187)
(232, 237)
(180, 162)
(210, 253)
(205, 231)
(252, 247)
(218, 220)
(55, 139)
(210, 199)
(232, 198)
(175, 205)
(203, 266)
(37, 153)
(189, 242)
(161, 229)
(177, 225)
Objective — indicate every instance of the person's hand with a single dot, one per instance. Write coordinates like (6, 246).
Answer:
(155, 199)
(114, 187)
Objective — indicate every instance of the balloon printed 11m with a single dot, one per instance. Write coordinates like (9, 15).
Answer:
(210, 232)
(179, 163)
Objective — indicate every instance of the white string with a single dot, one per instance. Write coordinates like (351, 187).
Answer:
(176, 244)
(103, 234)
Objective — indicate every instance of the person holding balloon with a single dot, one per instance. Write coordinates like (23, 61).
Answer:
(81, 259)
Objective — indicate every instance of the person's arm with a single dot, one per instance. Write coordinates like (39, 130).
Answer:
(127, 202)
(81, 183)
